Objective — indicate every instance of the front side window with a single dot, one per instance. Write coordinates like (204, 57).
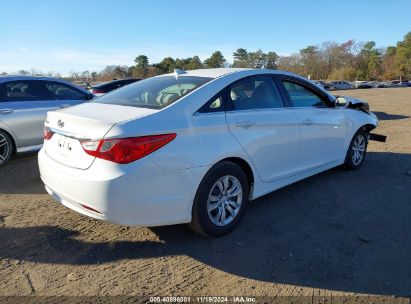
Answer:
(59, 91)
(254, 93)
(154, 93)
(22, 91)
(302, 97)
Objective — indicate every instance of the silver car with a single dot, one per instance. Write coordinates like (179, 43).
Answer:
(24, 103)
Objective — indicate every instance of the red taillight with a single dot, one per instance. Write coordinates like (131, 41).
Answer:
(126, 150)
(97, 91)
(47, 133)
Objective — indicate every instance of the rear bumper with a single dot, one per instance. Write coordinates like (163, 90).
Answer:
(137, 194)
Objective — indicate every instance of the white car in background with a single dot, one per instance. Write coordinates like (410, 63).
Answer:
(194, 147)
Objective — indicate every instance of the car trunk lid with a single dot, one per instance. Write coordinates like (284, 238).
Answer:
(90, 121)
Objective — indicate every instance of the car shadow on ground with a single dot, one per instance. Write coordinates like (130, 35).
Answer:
(21, 176)
(339, 230)
(387, 116)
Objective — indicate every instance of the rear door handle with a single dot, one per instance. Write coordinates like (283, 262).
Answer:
(245, 124)
(6, 111)
(66, 105)
(307, 122)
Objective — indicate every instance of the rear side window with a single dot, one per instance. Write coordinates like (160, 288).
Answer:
(154, 93)
(254, 93)
(59, 91)
(215, 104)
(301, 97)
(25, 90)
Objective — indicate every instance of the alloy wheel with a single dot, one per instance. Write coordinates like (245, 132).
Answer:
(224, 200)
(358, 149)
(4, 149)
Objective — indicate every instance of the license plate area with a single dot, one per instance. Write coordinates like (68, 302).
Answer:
(65, 145)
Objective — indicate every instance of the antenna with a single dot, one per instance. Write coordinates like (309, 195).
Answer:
(178, 72)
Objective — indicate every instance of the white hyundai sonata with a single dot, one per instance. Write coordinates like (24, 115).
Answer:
(195, 146)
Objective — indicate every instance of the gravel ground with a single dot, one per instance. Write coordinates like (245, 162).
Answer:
(337, 233)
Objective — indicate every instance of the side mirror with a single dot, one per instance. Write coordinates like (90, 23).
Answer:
(340, 101)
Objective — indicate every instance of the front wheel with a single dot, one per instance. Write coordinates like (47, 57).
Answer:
(220, 200)
(357, 150)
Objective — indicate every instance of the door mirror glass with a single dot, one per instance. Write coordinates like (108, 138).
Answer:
(340, 101)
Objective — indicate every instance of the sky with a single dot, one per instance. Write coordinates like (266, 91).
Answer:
(65, 36)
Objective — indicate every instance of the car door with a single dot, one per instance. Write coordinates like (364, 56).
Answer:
(23, 108)
(322, 125)
(267, 130)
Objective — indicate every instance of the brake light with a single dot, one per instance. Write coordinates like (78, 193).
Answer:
(47, 133)
(126, 150)
(97, 91)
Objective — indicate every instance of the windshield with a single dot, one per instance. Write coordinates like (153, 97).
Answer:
(153, 93)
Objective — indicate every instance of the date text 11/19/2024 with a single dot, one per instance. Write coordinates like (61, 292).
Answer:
(203, 299)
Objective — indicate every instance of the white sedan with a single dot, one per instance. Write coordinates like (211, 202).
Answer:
(194, 147)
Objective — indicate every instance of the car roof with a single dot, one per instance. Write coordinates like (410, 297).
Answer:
(238, 72)
(4, 78)
(220, 72)
(24, 77)
(211, 73)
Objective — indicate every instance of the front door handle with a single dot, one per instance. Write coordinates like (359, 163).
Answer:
(245, 124)
(6, 111)
(307, 122)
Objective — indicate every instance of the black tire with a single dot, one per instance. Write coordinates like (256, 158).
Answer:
(233, 175)
(350, 161)
(6, 148)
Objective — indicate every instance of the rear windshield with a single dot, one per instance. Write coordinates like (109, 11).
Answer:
(153, 93)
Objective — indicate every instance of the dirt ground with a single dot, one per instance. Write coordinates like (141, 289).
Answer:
(337, 233)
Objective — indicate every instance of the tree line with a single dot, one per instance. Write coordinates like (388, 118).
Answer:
(349, 60)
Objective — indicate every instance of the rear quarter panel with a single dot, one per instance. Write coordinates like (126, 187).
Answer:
(6, 128)
(202, 140)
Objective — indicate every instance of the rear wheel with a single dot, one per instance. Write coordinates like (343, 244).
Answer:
(6, 148)
(357, 150)
(220, 200)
